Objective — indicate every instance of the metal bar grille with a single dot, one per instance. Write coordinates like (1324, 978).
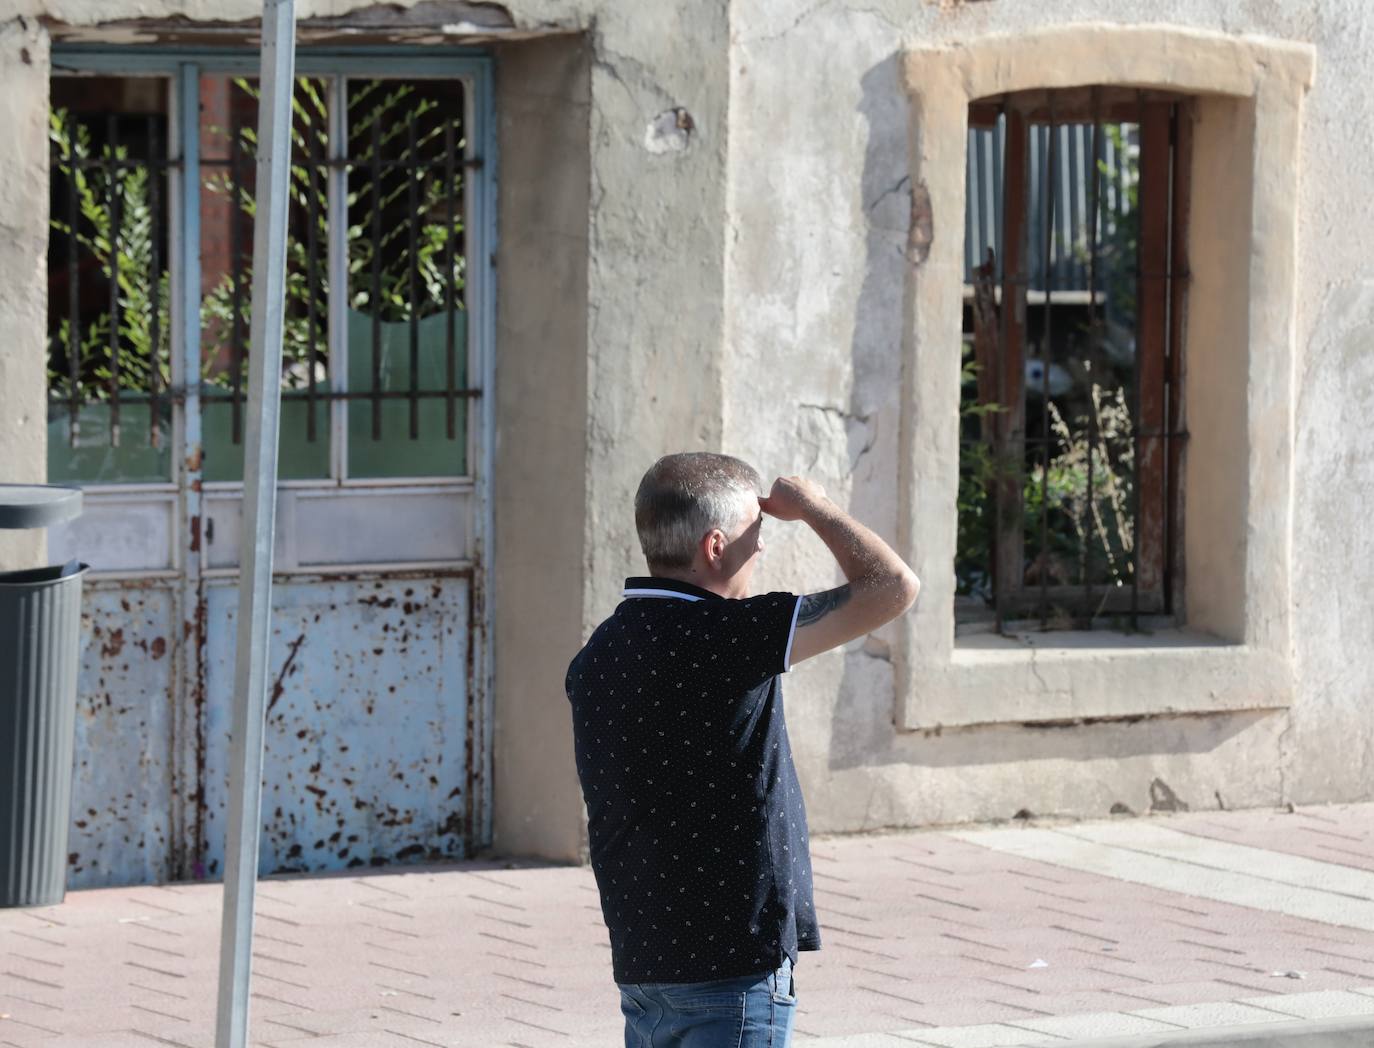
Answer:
(376, 295)
(450, 246)
(116, 198)
(313, 165)
(406, 162)
(1069, 498)
(413, 255)
(236, 276)
(73, 307)
(154, 286)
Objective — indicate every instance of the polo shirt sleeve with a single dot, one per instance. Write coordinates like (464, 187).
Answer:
(758, 634)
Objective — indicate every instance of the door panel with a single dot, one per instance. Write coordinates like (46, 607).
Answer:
(376, 725)
(123, 793)
(366, 751)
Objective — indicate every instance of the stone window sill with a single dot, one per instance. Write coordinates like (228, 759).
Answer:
(1097, 675)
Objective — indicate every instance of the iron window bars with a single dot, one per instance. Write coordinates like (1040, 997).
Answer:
(1072, 421)
(402, 151)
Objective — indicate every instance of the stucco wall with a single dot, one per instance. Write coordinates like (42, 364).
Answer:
(817, 274)
(541, 446)
(746, 225)
(23, 276)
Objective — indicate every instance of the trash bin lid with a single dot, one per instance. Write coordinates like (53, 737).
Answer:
(38, 505)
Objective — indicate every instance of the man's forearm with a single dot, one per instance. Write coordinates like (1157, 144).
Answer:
(861, 554)
(880, 585)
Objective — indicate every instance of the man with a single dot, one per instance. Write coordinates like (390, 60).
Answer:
(696, 821)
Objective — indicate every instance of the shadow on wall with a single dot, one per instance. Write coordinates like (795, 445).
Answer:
(863, 730)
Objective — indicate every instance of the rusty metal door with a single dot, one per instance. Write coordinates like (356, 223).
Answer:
(378, 733)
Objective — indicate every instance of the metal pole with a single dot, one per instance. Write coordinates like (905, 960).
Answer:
(259, 520)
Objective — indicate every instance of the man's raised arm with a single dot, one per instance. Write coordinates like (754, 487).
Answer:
(881, 586)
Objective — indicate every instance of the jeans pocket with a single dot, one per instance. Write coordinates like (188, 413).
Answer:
(786, 999)
(785, 976)
(725, 1004)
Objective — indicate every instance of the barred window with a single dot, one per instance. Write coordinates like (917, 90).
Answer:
(1072, 430)
(376, 370)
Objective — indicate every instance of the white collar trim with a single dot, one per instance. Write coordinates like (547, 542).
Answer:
(660, 593)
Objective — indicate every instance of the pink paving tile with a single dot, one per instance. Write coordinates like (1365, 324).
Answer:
(919, 928)
(1338, 833)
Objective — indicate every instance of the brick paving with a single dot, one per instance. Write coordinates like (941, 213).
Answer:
(924, 934)
(1338, 833)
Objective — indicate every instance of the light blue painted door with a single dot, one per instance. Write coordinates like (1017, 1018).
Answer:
(377, 745)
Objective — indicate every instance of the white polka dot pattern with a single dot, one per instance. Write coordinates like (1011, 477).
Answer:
(696, 819)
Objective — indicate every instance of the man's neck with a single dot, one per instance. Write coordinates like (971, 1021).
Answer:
(700, 579)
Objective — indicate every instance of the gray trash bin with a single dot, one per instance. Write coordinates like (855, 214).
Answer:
(40, 627)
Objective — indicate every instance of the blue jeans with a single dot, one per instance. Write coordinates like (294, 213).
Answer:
(752, 1011)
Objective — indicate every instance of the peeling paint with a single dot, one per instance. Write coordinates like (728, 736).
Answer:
(922, 232)
(669, 132)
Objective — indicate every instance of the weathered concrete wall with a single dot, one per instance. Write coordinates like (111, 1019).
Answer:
(613, 215)
(541, 440)
(23, 273)
(747, 214)
(817, 274)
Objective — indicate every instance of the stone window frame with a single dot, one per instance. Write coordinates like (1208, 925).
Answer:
(1236, 652)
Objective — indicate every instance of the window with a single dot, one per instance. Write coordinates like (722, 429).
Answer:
(1071, 429)
(375, 372)
(1208, 128)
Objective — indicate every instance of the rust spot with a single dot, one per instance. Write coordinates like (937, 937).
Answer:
(159, 647)
(201, 845)
(278, 686)
(115, 644)
(922, 232)
(410, 850)
(195, 533)
(193, 460)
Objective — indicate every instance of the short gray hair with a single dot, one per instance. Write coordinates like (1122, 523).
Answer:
(684, 496)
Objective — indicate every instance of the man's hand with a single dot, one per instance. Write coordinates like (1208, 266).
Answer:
(792, 498)
(880, 586)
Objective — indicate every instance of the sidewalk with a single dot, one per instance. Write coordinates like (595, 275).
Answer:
(982, 937)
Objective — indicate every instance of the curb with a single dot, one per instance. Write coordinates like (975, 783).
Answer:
(1302, 1033)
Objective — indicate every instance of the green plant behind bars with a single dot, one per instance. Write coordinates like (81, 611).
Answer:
(309, 182)
(126, 250)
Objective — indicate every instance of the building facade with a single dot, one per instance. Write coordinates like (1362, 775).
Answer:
(758, 227)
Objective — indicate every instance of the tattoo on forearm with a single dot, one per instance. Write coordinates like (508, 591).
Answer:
(816, 606)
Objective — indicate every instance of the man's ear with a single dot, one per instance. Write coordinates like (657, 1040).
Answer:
(713, 545)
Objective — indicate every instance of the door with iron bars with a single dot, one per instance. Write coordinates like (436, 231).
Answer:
(378, 730)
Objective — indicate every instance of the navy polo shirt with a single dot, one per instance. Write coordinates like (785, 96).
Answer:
(695, 816)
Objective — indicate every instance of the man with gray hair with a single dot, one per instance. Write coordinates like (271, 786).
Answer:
(695, 817)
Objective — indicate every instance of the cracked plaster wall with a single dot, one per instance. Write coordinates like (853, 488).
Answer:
(653, 211)
(788, 354)
(820, 218)
(23, 274)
